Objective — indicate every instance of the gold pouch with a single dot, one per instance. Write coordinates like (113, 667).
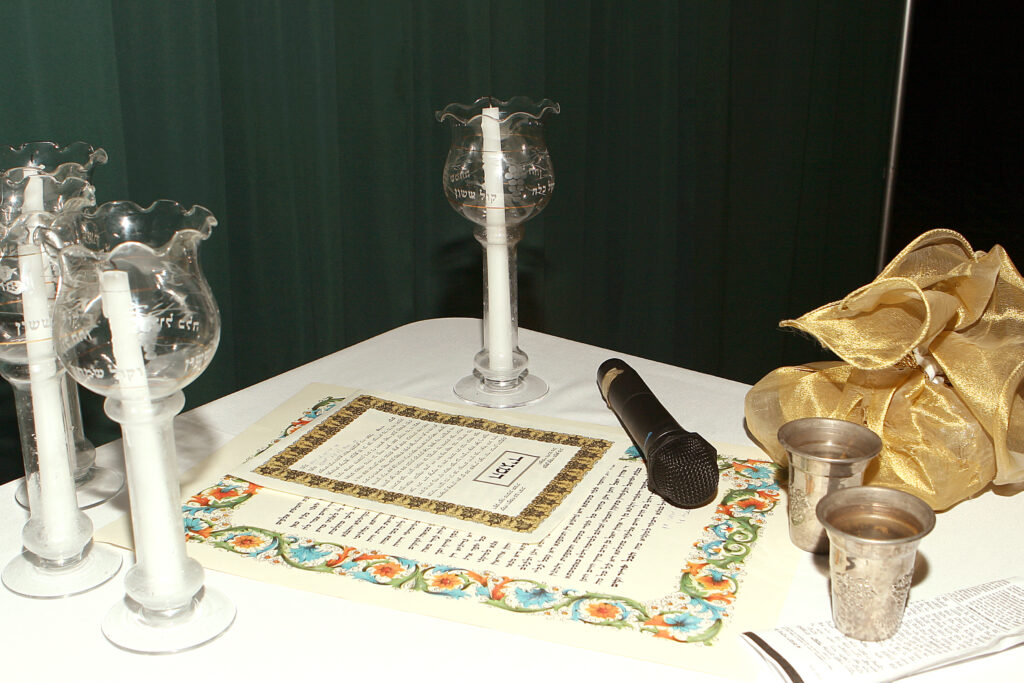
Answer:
(934, 357)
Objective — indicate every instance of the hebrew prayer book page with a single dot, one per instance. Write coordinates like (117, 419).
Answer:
(949, 628)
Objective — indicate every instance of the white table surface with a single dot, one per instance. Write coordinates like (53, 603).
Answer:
(285, 632)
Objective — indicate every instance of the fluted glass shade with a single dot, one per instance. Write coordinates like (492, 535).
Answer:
(168, 303)
(527, 176)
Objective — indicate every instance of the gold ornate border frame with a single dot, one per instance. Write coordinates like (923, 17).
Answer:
(589, 451)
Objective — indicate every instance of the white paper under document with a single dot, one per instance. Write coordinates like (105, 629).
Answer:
(950, 628)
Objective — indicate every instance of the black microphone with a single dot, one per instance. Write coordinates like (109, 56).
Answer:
(682, 467)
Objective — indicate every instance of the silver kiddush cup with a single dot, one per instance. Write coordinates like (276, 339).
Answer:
(824, 455)
(874, 534)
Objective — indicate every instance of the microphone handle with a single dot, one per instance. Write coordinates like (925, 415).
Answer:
(642, 415)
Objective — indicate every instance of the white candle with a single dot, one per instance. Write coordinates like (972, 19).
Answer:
(163, 577)
(55, 501)
(33, 192)
(499, 297)
(130, 368)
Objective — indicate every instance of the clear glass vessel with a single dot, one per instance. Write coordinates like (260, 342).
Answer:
(135, 321)
(498, 174)
(59, 558)
(93, 484)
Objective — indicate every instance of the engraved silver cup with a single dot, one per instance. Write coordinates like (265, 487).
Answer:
(824, 455)
(874, 534)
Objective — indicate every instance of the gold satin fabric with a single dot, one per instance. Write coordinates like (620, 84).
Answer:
(941, 441)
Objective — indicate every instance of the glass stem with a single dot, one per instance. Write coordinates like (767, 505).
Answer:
(164, 580)
(84, 451)
(57, 533)
(501, 363)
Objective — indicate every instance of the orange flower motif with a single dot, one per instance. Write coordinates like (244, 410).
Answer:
(246, 541)
(387, 570)
(694, 568)
(338, 559)
(710, 582)
(479, 578)
(752, 502)
(369, 556)
(445, 581)
(220, 493)
(603, 610)
(498, 591)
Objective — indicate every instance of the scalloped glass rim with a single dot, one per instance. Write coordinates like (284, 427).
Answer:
(517, 106)
(203, 220)
(67, 184)
(74, 192)
(75, 158)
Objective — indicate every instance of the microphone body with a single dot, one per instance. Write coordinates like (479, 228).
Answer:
(682, 467)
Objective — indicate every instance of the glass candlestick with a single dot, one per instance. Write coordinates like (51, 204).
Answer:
(59, 557)
(135, 321)
(498, 174)
(93, 484)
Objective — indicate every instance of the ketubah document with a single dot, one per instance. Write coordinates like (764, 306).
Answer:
(442, 483)
(529, 524)
(428, 463)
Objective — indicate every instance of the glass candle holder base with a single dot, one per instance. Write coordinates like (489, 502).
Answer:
(98, 486)
(474, 389)
(25, 577)
(129, 627)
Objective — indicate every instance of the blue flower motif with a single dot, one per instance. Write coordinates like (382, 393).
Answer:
(632, 453)
(682, 621)
(364, 576)
(193, 524)
(705, 606)
(757, 471)
(307, 553)
(712, 547)
(717, 574)
(537, 596)
(757, 487)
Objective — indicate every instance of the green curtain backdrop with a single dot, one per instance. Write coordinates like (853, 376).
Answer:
(719, 165)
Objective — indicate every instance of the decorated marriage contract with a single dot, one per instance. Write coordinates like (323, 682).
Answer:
(433, 465)
(668, 581)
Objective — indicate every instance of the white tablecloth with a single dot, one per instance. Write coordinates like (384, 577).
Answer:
(294, 634)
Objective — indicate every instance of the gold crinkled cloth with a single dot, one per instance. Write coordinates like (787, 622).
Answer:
(946, 437)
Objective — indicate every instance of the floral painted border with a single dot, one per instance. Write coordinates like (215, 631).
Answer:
(694, 612)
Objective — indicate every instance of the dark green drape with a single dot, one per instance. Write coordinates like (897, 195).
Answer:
(718, 164)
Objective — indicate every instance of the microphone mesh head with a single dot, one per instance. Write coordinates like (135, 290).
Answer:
(684, 471)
